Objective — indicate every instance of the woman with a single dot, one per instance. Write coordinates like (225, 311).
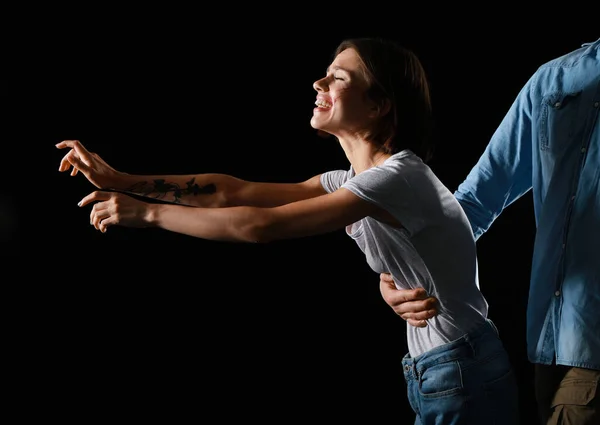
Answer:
(375, 100)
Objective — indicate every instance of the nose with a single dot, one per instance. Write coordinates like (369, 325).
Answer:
(320, 85)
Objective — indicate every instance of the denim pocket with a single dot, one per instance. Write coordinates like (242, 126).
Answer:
(503, 399)
(558, 117)
(441, 380)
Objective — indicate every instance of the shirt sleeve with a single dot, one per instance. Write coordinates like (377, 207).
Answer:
(333, 180)
(393, 188)
(503, 173)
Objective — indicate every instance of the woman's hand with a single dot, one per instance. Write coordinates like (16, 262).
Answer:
(113, 208)
(413, 305)
(98, 172)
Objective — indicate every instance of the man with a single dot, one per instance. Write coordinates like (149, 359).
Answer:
(548, 142)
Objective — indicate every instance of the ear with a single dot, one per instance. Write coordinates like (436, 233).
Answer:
(380, 109)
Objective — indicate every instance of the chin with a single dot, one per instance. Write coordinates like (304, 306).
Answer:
(323, 134)
(321, 129)
(317, 127)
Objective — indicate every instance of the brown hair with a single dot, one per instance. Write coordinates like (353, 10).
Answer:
(395, 75)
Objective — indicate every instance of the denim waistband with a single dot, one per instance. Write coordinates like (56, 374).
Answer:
(468, 346)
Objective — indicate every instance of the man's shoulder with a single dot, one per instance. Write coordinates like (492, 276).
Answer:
(573, 58)
(569, 73)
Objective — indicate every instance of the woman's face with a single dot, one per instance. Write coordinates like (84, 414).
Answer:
(342, 105)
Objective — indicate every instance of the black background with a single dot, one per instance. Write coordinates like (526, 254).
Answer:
(143, 323)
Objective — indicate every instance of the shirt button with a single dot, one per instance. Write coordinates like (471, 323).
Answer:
(557, 105)
(596, 104)
(582, 150)
(557, 293)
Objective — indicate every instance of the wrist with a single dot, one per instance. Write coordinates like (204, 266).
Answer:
(151, 215)
(121, 181)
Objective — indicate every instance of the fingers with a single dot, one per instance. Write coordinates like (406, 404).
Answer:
(78, 156)
(394, 296)
(97, 195)
(412, 305)
(73, 144)
(104, 224)
(75, 159)
(429, 303)
(83, 153)
(99, 212)
(417, 310)
(387, 286)
(65, 164)
(65, 144)
(101, 218)
(386, 277)
(69, 160)
(421, 314)
(417, 323)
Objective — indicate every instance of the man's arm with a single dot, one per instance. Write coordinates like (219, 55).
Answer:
(503, 173)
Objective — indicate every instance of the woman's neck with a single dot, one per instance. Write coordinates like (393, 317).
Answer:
(363, 155)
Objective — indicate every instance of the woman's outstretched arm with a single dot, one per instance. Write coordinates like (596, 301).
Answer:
(207, 190)
(319, 215)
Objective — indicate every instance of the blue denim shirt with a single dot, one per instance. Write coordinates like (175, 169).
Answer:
(549, 142)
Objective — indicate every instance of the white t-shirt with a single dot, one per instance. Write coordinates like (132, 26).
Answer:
(435, 249)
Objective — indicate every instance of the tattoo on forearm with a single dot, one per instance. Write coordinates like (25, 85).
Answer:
(159, 189)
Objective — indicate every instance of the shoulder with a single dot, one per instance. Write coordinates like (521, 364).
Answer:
(333, 180)
(586, 55)
(404, 163)
(569, 73)
(399, 174)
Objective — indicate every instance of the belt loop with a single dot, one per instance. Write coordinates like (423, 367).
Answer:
(415, 370)
(472, 342)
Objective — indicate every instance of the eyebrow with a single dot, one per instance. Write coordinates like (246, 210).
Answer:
(335, 68)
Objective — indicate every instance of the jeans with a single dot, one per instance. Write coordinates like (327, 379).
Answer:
(468, 381)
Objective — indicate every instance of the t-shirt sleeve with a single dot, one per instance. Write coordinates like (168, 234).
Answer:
(333, 180)
(392, 188)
